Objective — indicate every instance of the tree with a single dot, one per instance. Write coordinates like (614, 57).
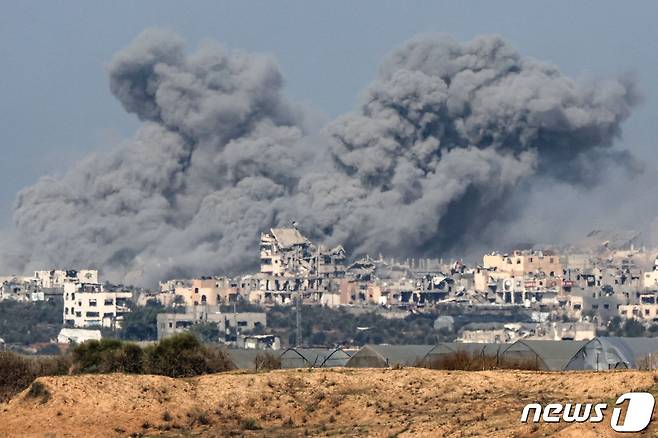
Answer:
(183, 355)
(614, 326)
(31, 322)
(206, 331)
(633, 328)
(141, 323)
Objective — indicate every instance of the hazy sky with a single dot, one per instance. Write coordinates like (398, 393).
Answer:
(55, 104)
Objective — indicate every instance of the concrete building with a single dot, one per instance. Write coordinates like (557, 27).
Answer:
(88, 305)
(650, 280)
(58, 277)
(259, 342)
(20, 289)
(642, 311)
(68, 335)
(286, 252)
(525, 262)
(227, 322)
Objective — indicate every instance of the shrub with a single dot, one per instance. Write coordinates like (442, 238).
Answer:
(89, 356)
(177, 356)
(198, 416)
(182, 355)
(131, 359)
(463, 360)
(217, 360)
(267, 361)
(249, 424)
(108, 356)
(18, 372)
(38, 390)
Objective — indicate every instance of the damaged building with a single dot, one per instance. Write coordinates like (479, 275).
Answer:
(290, 263)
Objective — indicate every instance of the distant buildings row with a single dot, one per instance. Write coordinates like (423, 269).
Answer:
(581, 290)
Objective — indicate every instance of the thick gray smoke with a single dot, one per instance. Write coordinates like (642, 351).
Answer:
(443, 138)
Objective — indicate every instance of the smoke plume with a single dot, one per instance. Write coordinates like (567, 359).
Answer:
(444, 139)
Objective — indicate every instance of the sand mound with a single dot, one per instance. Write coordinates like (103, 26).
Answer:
(406, 402)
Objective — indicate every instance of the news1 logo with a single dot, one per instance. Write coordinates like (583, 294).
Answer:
(638, 412)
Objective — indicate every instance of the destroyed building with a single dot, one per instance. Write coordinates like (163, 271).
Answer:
(290, 263)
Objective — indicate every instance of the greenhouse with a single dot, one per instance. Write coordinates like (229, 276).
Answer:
(608, 353)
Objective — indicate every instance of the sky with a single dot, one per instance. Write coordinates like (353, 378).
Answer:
(55, 103)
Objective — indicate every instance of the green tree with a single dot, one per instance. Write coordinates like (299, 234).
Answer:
(31, 322)
(633, 328)
(141, 323)
(183, 355)
(206, 331)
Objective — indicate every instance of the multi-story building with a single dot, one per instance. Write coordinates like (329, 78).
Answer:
(285, 252)
(521, 263)
(58, 277)
(643, 311)
(650, 279)
(20, 289)
(88, 305)
(171, 323)
(290, 264)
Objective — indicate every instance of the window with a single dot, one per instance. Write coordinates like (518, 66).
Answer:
(92, 303)
(606, 306)
(92, 314)
(242, 323)
(109, 302)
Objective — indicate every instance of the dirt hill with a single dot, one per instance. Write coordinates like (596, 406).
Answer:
(341, 402)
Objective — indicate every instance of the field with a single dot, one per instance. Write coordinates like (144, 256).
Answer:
(407, 402)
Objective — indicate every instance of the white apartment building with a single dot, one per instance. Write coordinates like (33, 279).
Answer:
(88, 305)
(58, 277)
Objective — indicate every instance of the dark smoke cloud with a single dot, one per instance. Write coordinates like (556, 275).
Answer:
(443, 138)
(447, 132)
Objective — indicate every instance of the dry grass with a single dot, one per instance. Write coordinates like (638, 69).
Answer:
(339, 402)
(463, 360)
